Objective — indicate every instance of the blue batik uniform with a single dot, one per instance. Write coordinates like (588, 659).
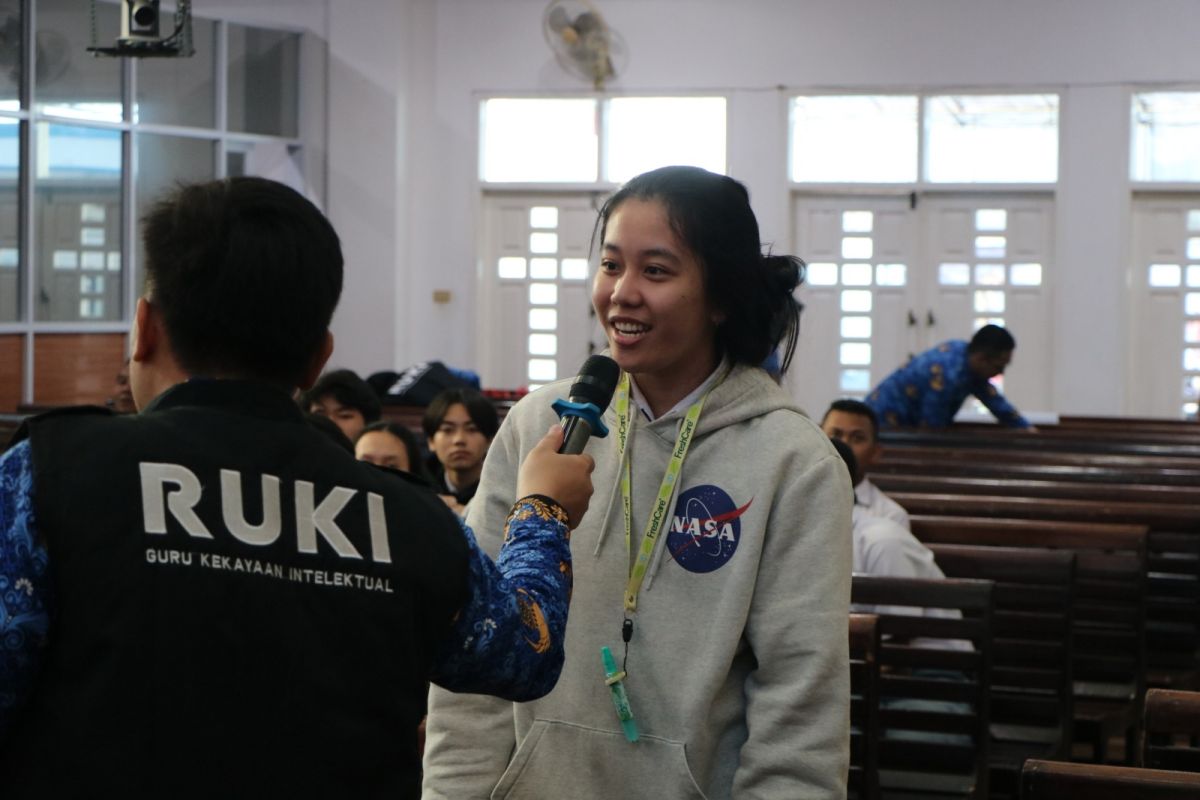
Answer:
(928, 391)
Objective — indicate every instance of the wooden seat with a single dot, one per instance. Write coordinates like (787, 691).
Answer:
(1031, 689)
(864, 707)
(1173, 564)
(933, 686)
(1054, 780)
(1171, 731)
(1108, 637)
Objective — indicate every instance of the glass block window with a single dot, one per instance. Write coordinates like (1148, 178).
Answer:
(854, 281)
(1181, 281)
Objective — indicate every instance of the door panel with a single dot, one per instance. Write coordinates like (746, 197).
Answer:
(535, 321)
(1166, 307)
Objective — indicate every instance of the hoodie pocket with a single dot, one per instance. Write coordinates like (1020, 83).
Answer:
(558, 759)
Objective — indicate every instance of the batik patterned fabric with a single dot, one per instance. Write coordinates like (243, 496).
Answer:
(516, 614)
(24, 584)
(928, 391)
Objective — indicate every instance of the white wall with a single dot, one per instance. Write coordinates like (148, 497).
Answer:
(405, 77)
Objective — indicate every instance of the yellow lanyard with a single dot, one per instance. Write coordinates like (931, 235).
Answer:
(666, 490)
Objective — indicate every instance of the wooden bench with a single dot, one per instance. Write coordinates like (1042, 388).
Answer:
(1171, 730)
(863, 782)
(933, 698)
(1108, 662)
(1054, 780)
(1173, 563)
(1077, 442)
(1031, 690)
(1000, 483)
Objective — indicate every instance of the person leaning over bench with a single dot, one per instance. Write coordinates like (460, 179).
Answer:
(928, 391)
(209, 598)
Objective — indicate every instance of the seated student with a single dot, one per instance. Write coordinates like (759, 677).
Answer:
(884, 547)
(928, 391)
(346, 399)
(881, 545)
(854, 423)
(459, 425)
(391, 445)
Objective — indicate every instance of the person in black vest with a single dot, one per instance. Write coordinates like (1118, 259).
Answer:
(211, 599)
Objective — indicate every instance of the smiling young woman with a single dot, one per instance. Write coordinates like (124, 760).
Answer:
(718, 570)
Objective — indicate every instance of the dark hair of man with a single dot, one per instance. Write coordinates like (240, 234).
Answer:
(246, 274)
(993, 340)
(859, 409)
(711, 215)
(348, 389)
(479, 409)
(851, 462)
(412, 447)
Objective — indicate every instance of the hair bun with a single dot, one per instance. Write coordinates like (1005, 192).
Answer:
(785, 273)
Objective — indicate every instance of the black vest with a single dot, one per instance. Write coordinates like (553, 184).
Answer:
(240, 609)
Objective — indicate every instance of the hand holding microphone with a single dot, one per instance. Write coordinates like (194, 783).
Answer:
(566, 479)
(556, 467)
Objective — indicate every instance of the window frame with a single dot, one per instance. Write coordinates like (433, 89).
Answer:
(922, 185)
(27, 115)
(601, 184)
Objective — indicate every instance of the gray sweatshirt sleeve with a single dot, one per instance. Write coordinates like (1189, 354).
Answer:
(798, 696)
(468, 737)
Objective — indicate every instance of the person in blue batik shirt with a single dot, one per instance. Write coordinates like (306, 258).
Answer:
(928, 391)
(209, 598)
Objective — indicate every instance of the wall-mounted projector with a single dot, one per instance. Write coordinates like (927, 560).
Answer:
(142, 31)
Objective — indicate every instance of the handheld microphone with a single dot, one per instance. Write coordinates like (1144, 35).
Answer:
(591, 393)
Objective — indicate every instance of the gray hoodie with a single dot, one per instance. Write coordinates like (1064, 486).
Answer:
(737, 671)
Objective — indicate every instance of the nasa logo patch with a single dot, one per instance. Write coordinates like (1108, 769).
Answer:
(705, 529)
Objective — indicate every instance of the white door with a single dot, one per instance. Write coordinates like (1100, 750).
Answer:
(1165, 355)
(987, 260)
(535, 316)
(892, 276)
(857, 295)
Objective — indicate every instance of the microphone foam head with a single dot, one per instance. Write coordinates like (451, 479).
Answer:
(596, 382)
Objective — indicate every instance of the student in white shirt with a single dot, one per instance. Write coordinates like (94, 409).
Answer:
(854, 423)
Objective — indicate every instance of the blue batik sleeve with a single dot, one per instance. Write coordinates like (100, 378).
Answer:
(1001, 409)
(508, 638)
(24, 584)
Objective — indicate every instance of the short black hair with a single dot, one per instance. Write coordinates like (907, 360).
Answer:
(711, 215)
(348, 389)
(481, 411)
(859, 409)
(851, 461)
(993, 340)
(412, 447)
(246, 274)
